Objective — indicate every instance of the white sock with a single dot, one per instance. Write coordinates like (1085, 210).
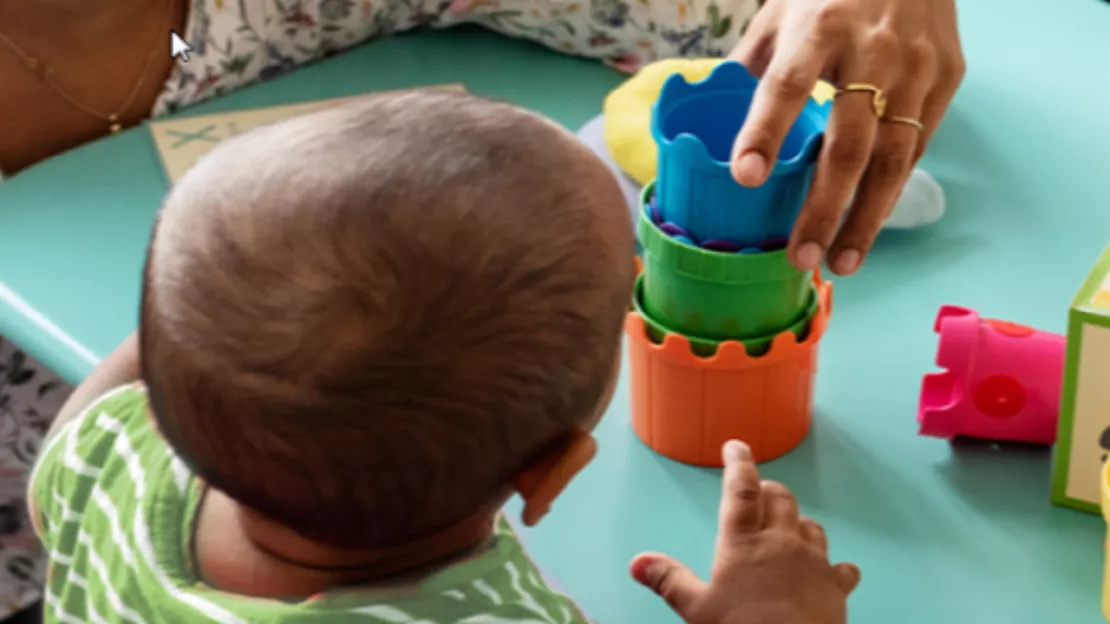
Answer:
(921, 203)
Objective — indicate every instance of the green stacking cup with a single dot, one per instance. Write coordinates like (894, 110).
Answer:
(755, 347)
(714, 295)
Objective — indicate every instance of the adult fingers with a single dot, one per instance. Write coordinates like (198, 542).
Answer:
(755, 52)
(951, 71)
(780, 508)
(797, 64)
(847, 576)
(740, 505)
(892, 159)
(756, 47)
(814, 535)
(849, 139)
(669, 579)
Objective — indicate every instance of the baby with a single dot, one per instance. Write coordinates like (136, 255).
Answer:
(362, 331)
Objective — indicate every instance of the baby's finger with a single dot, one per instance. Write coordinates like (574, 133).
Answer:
(740, 508)
(669, 579)
(847, 576)
(780, 508)
(814, 535)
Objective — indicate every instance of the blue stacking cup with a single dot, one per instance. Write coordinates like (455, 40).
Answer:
(695, 126)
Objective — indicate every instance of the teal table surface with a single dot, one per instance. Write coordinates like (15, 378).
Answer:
(943, 533)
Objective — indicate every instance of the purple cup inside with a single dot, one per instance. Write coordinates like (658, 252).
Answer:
(720, 245)
(773, 244)
(672, 230)
(723, 246)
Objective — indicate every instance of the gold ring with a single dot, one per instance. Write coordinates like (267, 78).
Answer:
(878, 100)
(907, 121)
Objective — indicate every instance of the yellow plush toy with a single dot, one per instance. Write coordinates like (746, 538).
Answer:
(628, 112)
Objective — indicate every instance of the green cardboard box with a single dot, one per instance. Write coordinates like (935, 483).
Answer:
(1083, 440)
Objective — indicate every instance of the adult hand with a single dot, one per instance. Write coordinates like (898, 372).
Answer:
(908, 49)
(771, 565)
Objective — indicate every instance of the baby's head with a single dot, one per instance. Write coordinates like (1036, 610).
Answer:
(366, 322)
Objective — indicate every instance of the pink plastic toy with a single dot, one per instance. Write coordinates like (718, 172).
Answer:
(1002, 380)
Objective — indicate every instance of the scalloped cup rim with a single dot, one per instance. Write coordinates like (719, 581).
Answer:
(802, 325)
(932, 401)
(799, 161)
(676, 87)
(733, 354)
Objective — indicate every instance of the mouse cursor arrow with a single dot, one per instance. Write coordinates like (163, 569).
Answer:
(179, 48)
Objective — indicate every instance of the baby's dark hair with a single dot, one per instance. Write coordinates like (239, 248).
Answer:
(363, 322)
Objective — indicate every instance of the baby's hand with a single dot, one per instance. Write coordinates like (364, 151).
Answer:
(771, 565)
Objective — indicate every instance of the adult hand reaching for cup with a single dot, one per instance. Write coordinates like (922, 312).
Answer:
(896, 64)
(771, 564)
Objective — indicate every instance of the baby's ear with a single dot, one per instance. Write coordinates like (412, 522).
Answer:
(542, 482)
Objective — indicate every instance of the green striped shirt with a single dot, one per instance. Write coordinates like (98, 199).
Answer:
(115, 508)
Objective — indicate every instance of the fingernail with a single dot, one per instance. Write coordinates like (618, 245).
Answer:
(735, 451)
(847, 262)
(653, 569)
(646, 569)
(750, 169)
(809, 256)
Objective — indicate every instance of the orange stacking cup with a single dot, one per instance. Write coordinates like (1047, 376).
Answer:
(685, 406)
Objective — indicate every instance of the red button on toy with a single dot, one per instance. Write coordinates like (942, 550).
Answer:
(1000, 396)
(1010, 329)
